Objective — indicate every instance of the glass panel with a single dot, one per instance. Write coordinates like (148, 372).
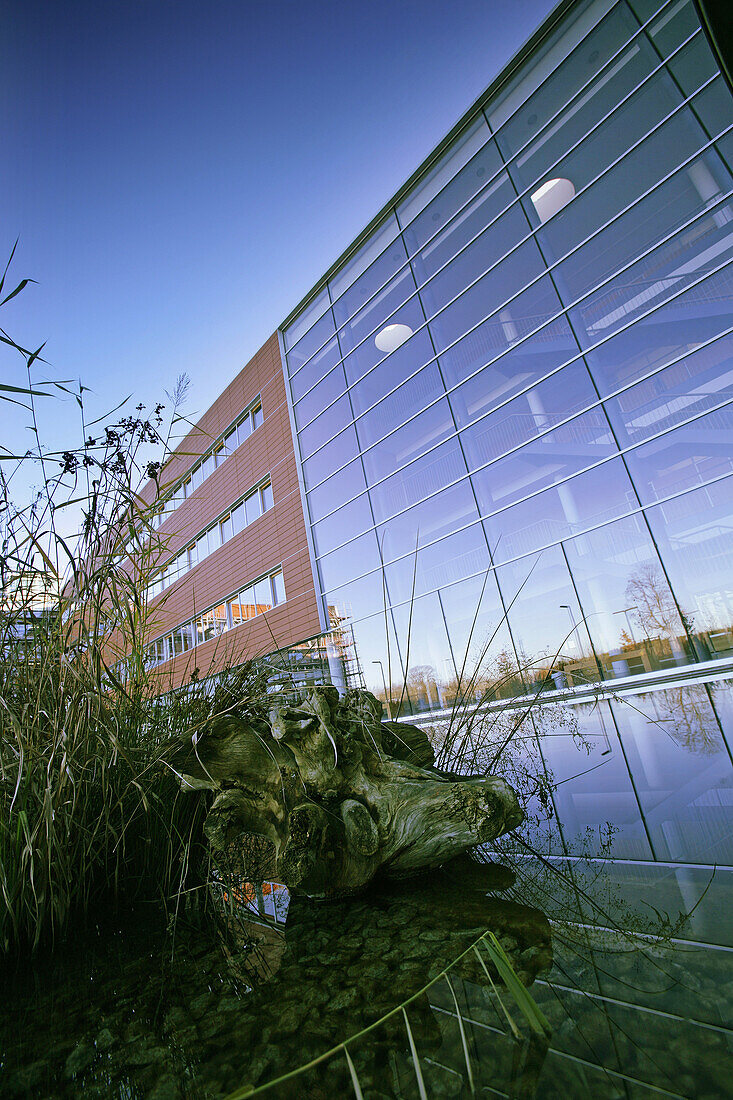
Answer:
(324, 393)
(424, 644)
(253, 507)
(527, 415)
(382, 268)
(435, 517)
(439, 563)
(699, 381)
(551, 458)
(345, 523)
(257, 417)
(336, 417)
(590, 498)
(546, 621)
(413, 439)
(418, 480)
(207, 467)
(626, 600)
(359, 556)
(263, 595)
(310, 342)
(482, 647)
(366, 255)
(340, 487)
(278, 585)
(401, 406)
(673, 329)
(247, 603)
(238, 519)
(592, 786)
(244, 429)
(319, 367)
(682, 773)
(214, 537)
(693, 534)
(230, 441)
(494, 336)
(235, 610)
(378, 311)
(219, 454)
(192, 556)
(306, 318)
(267, 497)
(435, 182)
(220, 618)
(335, 454)
(225, 528)
(685, 457)
(196, 477)
(403, 360)
(202, 547)
(189, 637)
(177, 643)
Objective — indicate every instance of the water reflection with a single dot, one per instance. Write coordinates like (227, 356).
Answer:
(199, 1013)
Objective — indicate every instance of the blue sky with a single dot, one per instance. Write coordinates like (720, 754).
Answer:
(180, 174)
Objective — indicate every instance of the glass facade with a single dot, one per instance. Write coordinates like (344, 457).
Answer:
(513, 405)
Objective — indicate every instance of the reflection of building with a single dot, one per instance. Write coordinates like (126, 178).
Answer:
(512, 403)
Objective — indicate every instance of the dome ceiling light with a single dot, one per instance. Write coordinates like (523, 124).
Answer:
(392, 337)
(551, 197)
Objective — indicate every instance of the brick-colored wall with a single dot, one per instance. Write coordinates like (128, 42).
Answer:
(276, 537)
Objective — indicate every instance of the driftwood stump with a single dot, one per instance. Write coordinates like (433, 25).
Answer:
(340, 794)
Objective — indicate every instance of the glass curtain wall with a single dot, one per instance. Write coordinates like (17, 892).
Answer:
(514, 405)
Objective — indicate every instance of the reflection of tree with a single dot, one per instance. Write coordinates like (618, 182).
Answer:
(651, 601)
(688, 718)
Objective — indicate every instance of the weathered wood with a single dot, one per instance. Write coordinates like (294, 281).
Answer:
(339, 793)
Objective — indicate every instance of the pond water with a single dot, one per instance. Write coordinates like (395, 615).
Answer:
(132, 1009)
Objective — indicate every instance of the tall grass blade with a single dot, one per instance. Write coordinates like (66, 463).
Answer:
(354, 1078)
(459, 1017)
(415, 1059)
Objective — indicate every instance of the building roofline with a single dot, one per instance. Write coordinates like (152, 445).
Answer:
(545, 28)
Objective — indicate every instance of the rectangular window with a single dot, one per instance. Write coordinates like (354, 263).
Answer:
(177, 640)
(278, 587)
(219, 454)
(235, 611)
(202, 547)
(196, 478)
(186, 488)
(214, 538)
(267, 497)
(243, 429)
(225, 528)
(238, 519)
(263, 595)
(253, 507)
(192, 556)
(256, 416)
(247, 601)
(230, 441)
(189, 637)
(208, 466)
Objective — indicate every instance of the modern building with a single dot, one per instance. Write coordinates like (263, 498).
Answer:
(498, 435)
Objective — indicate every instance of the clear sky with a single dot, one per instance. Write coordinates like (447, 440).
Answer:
(180, 174)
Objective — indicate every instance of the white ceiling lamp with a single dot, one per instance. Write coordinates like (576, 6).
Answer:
(392, 337)
(551, 197)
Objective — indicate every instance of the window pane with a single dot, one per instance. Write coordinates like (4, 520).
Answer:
(207, 466)
(230, 441)
(368, 254)
(328, 459)
(310, 342)
(267, 497)
(244, 429)
(263, 595)
(319, 368)
(341, 486)
(410, 441)
(684, 457)
(328, 424)
(247, 603)
(225, 528)
(441, 466)
(257, 416)
(278, 585)
(235, 610)
(381, 270)
(220, 618)
(551, 458)
(202, 547)
(323, 393)
(214, 538)
(400, 406)
(238, 519)
(306, 319)
(196, 477)
(219, 454)
(188, 636)
(253, 507)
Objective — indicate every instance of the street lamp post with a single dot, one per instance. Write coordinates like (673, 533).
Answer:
(387, 700)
